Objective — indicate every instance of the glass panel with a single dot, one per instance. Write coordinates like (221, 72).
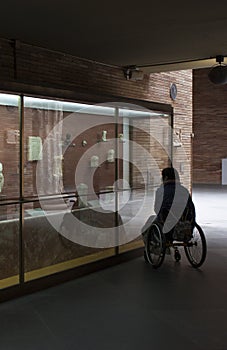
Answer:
(9, 190)
(66, 170)
(47, 251)
(146, 151)
(42, 129)
(9, 243)
(9, 147)
(90, 173)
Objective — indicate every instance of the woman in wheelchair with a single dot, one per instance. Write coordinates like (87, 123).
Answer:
(174, 224)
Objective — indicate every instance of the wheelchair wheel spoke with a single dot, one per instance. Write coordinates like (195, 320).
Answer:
(155, 246)
(196, 248)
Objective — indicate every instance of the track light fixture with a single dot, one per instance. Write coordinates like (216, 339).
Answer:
(133, 73)
(218, 73)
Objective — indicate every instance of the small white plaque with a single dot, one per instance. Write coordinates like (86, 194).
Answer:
(34, 148)
(224, 171)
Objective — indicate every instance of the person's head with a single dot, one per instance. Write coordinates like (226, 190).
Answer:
(170, 174)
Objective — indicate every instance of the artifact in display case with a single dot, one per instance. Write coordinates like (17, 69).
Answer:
(1, 177)
(104, 133)
(34, 148)
(3, 209)
(121, 138)
(94, 162)
(12, 136)
(82, 190)
(110, 156)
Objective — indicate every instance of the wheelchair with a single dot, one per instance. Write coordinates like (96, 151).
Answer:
(184, 234)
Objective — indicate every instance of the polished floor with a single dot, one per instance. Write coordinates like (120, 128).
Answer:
(132, 306)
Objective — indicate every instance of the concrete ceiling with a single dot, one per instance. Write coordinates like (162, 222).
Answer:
(151, 34)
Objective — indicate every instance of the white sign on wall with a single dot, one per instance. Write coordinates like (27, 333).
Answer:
(34, 148)
(224, 171)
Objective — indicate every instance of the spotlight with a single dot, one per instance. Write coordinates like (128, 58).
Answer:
(218, 74)
(133, 73)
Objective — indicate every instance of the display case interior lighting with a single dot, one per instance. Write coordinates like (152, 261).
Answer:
(50, 104)
(9, 100)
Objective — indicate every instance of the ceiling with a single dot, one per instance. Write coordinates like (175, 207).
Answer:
(153, 35)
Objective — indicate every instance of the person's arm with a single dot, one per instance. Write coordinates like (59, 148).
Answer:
(191, 209)
(158, 200)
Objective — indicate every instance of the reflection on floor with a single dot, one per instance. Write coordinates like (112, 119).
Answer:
(132, 306)
(211, 205)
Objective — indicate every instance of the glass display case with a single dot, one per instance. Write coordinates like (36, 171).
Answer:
(77, 181)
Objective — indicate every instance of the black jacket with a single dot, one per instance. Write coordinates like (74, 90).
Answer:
(173, 203)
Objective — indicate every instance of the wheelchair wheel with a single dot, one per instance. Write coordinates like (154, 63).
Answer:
(155, 246)
(196, 248)
(145, 256)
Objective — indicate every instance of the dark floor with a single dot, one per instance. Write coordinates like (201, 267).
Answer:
(132, 306)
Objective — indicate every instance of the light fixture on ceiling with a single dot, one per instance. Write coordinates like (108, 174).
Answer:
(133, 73)
(218, 73)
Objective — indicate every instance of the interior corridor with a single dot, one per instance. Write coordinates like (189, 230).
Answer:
(131, 306)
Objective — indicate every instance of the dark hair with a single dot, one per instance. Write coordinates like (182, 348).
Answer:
(170, 174)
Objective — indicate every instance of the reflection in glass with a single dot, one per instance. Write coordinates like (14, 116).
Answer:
(47, 251)
(9, 246)
(146, 151)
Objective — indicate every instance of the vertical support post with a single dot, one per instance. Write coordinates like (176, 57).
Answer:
(21, 184)
(116, 121)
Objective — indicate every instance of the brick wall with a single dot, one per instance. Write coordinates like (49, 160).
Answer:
(37, 67)
(182, 109)
(210, 128)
